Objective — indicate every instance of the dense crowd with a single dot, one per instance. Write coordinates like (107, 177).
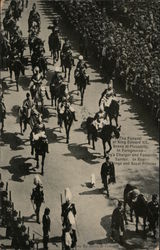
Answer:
(128, 51)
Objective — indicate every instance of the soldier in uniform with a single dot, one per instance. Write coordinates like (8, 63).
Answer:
(46, 227)
(37, 197)
(153, 214)
(107, 174)
(117, 224)
(33, 16)
(27, 105)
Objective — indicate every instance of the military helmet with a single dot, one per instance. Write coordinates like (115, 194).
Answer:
(80, 57)
(36, 69)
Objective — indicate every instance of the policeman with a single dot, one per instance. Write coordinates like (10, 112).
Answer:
(46, 227)
(153, 214)
(107, 174)
(37, 197)
(117, 224)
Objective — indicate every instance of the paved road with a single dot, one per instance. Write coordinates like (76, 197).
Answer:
(72, 165)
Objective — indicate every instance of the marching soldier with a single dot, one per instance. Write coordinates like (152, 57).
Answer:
(27, 105)
(37, 197)
(153, 214)
(117, 223)
(46, 227)
(107, 174)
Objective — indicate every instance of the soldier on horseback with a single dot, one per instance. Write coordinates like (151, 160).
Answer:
(65, 104)
(38, 133)
(37, 197)
(81, 69)
(33, 16)
(100, 119)
(107, 174)
(68, 214)
(36, 81)
(54, 44)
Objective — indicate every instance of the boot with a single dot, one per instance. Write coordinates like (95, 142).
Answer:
(74, 117)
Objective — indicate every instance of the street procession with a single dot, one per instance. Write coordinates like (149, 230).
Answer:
(79, 124)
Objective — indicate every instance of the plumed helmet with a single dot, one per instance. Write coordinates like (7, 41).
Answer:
(80, 57)
(36, 69)
(68, 194)
(57, 69)
(37, 180)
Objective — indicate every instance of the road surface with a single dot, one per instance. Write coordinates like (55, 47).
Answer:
(72, 165)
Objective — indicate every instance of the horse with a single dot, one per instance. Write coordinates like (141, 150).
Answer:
(67, 62)
(139, 205)
(31, 118)
(67, 118)
(17, 67)
(39, 147)
(54, 46)
(113, 111)
(106, 134)
(39, 60)
(81, 81)
(57, 91)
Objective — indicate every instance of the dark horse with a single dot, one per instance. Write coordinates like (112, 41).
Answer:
(39, 147)
(54, 46)
(30, 119)
(113, 111)
(81, 81)
(139, 205)
(67, 118)
(57, 91)
(39, 60)
(67, 62)
(106, 134)
(17, 67)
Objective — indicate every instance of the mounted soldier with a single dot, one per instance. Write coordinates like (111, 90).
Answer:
(69, 237)
(65, 104)
(33, 16)
(107, 174)
(100, 119)
(36, 81)
(37, 197)
(54, 43)
(81, 68)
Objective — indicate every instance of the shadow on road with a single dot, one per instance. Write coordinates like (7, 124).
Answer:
(94, 192)
(81, 153)
(13, 140)
(19, 167)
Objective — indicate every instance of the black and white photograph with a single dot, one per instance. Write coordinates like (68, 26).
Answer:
(79, 124)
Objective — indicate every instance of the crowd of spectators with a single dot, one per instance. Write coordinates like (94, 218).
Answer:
(124, 36)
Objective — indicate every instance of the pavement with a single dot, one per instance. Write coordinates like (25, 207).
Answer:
(135, 154)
